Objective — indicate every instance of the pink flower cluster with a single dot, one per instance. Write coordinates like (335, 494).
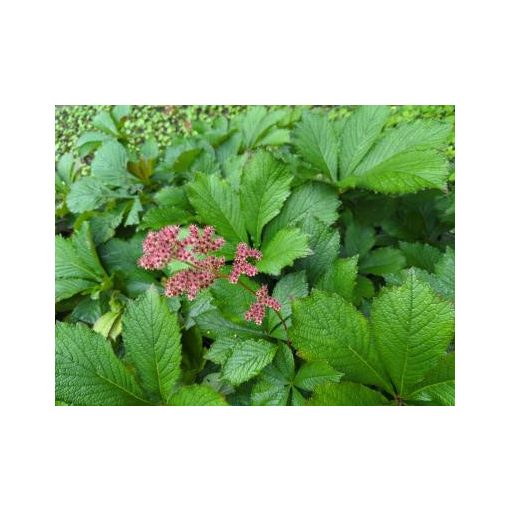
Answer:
(163, 246)
(241, 265)
(257, 310)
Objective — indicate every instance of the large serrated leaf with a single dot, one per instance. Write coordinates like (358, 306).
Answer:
(87, 372)
(265, 185)
(327, 328)
(153, 343)
(412, 328)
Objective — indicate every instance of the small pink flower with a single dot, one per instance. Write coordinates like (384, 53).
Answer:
(241, 265)
(257, 310)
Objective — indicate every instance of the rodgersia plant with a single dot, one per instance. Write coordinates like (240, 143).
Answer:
(164, 246)
(349, 221)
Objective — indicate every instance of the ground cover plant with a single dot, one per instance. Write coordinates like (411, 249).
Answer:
(255, 256)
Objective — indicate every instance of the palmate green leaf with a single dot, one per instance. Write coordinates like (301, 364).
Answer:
(311, 200)
(359, 133)
(265, 186)
(438, 385)
(153, 343)
(327, 328)
(247, 359)
(76, 262)
(217, 204)
(282, 250)
(340, 278)
(110, 164)
(197, 395)
(412, 328)
(87, 194)
(87, 372)
(405, 172)
(346, 394)
(316, 142)
(324, 243)
(382, 261)
(314, 373)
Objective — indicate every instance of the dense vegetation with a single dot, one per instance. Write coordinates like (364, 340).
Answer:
(348, 216)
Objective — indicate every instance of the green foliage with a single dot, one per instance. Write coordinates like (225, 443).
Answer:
(264, 188)
(282, 250)
(87, 372)
(401, 347)
(412, 329)
(152, 342)
(352, 209)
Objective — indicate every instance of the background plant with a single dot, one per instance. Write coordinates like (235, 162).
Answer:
(352, 209)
